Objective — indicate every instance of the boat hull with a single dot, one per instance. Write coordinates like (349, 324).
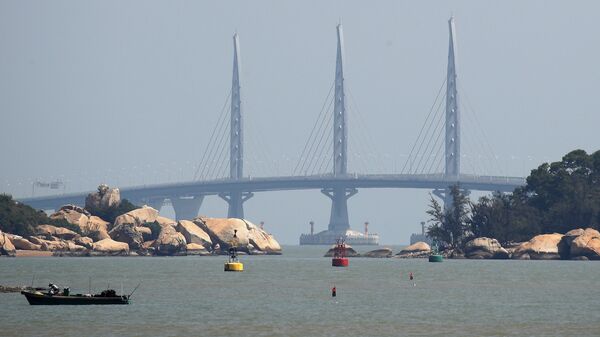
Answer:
(45, 299)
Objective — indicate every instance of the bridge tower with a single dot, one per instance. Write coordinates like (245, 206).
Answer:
(452, 149)
(236, 198)
(339, 195)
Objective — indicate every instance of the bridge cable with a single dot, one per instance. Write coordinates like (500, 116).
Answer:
(220, 130)
(423, 126)
(438, 117)
(212, 136)
(323, 125)
(219, 156)
(327, 135)
(313, 129)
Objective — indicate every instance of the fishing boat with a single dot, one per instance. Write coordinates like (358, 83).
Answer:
(233, 263)
(105, 297)
(54, 297)
(339, 255)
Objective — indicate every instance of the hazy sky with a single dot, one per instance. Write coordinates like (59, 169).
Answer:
(127, 93)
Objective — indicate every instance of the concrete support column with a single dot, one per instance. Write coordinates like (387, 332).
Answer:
(155, 203)
(338, 221)
(236, 200)
(186, 208)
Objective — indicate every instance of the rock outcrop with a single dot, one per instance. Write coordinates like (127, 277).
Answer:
(170, 242)
(261, 240)
(128, 233)
(196, 249)
(84, 241)
(586, 244)
(110, 247)
(21, 243)
(89, 225)
(137, 217)
(161, 220)
(74, 215)
(542, 247)
(221, 232)
(194, 234)
(59, 232)
(350, 252)
(6, 246)
(379, 253)
(485, 248)
(417, 249)
(105, 198)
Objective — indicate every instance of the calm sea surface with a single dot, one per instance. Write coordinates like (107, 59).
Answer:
(289, 295)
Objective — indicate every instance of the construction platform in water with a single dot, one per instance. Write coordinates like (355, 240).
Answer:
(328, 237)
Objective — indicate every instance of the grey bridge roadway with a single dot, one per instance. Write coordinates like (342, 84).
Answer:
(139, 194)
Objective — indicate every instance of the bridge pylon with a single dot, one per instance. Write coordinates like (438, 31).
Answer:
(452, 139)
(236, 199)
(339, 196)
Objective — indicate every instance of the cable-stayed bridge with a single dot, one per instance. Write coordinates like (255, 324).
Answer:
(434, 162)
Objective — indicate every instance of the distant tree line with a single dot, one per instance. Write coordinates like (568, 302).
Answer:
(557, 197)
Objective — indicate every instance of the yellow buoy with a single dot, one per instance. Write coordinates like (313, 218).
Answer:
(234, 266)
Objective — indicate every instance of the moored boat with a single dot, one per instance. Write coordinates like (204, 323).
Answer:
(105, 297)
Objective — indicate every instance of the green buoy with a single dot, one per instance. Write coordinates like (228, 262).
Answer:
(435, 258)
(435, 255)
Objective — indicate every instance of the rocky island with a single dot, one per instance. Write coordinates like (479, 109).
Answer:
(80, 231)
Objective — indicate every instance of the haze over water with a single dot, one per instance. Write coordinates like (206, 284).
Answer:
(289, 295)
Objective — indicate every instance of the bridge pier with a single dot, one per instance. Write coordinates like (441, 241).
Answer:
(236, 200)
(446, 196)
(155, 203)
(338, 221)
(186, 208)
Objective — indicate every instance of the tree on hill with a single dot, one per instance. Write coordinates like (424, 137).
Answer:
(450, 226)
(18, 218)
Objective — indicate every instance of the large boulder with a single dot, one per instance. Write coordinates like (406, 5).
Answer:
(350, 252)
(381, 252)
(84, 241)
(261, 240)
(485, 248)
(221, 232)
(6, 246)
(196, 249)
(586, 244)
(170, 242)
(128, 233)
(72, 214)
(163, 221)
(542, 247)
(138, 216)
(21, 243)
(105, 198)
(194, 234)
(110, 247)
(89, 225)
(417, 249)
(59, 232)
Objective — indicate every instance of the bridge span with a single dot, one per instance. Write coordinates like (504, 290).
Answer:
(155, 195)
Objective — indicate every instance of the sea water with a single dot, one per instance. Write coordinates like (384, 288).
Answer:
(290, 295)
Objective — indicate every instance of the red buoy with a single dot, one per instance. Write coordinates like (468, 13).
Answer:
(339, 255)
